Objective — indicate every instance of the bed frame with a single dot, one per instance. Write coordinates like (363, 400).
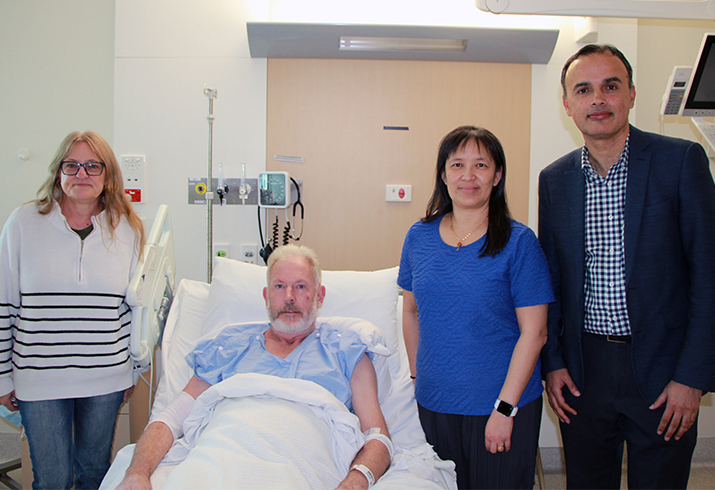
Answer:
(151, 290)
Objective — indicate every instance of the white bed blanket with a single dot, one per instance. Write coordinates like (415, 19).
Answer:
(266, 426)
(255, 431)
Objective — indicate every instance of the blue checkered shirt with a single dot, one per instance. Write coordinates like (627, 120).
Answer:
(605, 284)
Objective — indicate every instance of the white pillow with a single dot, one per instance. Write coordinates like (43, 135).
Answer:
(183, 327)
(236, 296)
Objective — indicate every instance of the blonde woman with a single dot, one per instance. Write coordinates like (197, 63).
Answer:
(65, 263)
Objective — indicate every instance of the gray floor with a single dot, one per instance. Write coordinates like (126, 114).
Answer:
(702, 472)
(702, 477)
(15, 475)
(9, 452)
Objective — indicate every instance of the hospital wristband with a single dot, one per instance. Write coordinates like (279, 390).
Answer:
(366, 473)
(383, 439)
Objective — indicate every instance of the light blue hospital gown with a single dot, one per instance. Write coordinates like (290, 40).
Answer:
(327, 356)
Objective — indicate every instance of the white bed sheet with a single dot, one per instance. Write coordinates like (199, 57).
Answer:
(199, 308)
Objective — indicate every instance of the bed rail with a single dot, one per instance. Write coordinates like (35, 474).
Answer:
(151, 290)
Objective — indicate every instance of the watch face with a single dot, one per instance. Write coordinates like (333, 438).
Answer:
(504, 408)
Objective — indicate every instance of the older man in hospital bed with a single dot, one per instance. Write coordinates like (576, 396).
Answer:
(291, 346)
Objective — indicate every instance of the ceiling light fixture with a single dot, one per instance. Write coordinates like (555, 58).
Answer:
(354, 43)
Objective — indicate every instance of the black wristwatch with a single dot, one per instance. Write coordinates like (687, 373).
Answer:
(504, 408)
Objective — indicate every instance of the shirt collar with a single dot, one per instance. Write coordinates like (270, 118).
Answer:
(590, 172)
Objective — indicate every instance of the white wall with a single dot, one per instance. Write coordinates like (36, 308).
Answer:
(670, 43)
(165, 52)
(56, 76)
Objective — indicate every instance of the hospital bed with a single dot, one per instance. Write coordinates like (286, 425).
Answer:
(235, 296)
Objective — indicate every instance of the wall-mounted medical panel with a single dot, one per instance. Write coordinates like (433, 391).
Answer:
(233, 191)
(133, 174)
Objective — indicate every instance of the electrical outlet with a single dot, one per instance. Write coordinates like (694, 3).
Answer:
(249, 253)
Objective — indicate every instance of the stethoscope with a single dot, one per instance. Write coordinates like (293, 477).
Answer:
(298, 204)
(289, 231)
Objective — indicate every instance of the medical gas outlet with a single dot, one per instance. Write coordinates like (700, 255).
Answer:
(398, 193)
(240, 191)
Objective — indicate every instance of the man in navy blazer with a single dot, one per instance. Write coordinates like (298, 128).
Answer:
(628, 226)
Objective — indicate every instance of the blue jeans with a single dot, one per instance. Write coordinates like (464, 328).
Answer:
(62, 457)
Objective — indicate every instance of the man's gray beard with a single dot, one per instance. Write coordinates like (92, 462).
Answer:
(301, 326)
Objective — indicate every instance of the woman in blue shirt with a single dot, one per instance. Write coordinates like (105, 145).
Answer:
(476, 292)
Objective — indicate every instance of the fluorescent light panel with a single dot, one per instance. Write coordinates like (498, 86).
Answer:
(355, 43)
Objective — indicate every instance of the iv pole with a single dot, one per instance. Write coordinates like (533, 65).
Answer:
(211, 94)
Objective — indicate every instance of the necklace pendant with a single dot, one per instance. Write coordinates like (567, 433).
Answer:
(459, 245)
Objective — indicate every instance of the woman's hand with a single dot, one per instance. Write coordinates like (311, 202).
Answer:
(128, 392)
(497, 434)
(10, 401)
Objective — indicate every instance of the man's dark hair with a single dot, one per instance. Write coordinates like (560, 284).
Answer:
(590, 49)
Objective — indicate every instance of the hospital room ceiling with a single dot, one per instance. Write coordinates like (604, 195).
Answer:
(653, 9)
(400, 42)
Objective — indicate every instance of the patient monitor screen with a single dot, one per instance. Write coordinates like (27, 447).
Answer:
(705, 90)
(700, 98)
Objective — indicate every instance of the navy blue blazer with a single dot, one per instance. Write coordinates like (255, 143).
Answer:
(670, 263)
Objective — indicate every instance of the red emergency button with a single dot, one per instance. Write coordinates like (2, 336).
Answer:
(401, 193)
(136, 194)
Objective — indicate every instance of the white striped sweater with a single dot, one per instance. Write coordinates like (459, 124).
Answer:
(64, 324)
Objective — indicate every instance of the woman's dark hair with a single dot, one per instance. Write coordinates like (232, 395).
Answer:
(499, 223)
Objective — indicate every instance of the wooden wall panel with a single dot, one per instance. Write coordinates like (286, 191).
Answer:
(332, 113)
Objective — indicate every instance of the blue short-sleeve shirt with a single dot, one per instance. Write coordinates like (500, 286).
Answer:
(467, 318)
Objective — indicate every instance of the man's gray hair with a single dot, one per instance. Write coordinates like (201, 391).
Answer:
(287, 251)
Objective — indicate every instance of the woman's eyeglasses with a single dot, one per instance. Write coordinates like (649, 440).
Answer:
(70, 167)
